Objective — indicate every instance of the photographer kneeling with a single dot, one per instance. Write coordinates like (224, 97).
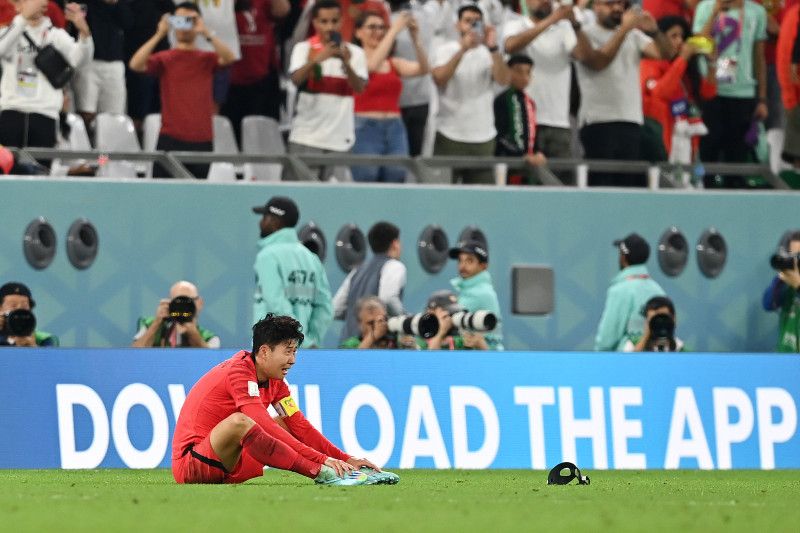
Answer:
(782, 294)
(380, 332)
(659, 329)
(17, 322)
(175, 323)
(444, 304)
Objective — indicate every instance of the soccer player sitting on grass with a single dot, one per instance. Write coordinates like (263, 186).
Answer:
(225, 434)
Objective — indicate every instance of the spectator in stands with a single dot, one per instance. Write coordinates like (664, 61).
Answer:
(379, 128)
(787, 61)
(54, 12)
(552, 38)
(474, 286)
(515, 119)
(186, 77)
(463, 71)
(327, 72)
(630, 289)
(782, 295)
(255, 86)
(417, 91)
(99, 85)
(673, 91)
(661, 338)
(29, 103)
(13, 297)
(353, 9)
(384, 276)
(373, 332)
(175, 324)
(443, 304)
(290, 279)
(739, 29)
(142, 90)
(611, 116)
(219, 17)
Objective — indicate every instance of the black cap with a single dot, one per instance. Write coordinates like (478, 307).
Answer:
(634, 248)
(282, 207)
(470, 247)
(15, 288)
(445, 299)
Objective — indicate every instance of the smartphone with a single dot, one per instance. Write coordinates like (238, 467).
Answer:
(179, 22)
(477, 27)
(336, 38)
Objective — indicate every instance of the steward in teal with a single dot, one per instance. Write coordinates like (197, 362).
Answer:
(475, 290)
(630, 290)
(290, 279)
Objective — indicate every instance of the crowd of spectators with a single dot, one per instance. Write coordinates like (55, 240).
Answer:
(667, 80)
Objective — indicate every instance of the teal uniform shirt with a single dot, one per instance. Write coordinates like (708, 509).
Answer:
(478, 294)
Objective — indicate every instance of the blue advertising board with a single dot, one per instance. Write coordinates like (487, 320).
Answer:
(66, 408)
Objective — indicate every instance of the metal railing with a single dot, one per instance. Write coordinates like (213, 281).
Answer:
(426, 170)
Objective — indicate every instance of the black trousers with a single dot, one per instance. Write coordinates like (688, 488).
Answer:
(415, 118)
(727, 120)
(613, 140)
(27, 129)
(171, 144)
(262, 97)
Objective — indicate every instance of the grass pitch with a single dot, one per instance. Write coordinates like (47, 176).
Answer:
(424, 500)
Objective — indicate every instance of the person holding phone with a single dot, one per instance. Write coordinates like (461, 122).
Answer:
(186, 83)
(379, 128)
(327, 74)
(29, 102)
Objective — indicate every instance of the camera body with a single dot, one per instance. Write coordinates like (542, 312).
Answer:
(182, 309)
(784, 260)
(18, 323)
(475, 321)
(662, 333)
(423, 325)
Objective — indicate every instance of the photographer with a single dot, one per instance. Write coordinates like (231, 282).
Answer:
(659, 329)
(175, 323)
(375, 334)
(17, 323)
(782, 295)
(443, 304)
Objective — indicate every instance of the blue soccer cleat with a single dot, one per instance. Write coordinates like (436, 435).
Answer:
(328, 476)
(379, 478)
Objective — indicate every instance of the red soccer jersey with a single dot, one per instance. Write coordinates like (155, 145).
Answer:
(187, 101)
(233, 386)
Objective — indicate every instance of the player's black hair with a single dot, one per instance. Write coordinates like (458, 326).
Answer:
(187, 5)
(381, 235)
(469, 7)
(273, 330)
(657, 302)
(324, 4)
(519, 59)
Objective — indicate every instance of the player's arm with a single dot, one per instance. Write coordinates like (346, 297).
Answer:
(259, 414)
(302, 430)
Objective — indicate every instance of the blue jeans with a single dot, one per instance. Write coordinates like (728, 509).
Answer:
(376, 136)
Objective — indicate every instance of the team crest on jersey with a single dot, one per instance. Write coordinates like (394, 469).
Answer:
(252, 388)
(286, 407)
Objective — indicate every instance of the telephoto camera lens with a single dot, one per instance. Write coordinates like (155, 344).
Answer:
(423, 325)
(182, 309)
(19, 323)
(475, 321)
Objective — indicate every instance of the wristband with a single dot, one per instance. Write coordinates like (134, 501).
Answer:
(493, 49)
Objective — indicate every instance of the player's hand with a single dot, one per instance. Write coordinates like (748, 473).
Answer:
(358, 463)
(340, 467)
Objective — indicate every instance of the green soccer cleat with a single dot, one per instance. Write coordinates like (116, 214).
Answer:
(379, 478)
(328, 476)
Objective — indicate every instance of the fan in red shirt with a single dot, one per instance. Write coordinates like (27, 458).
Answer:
(225, 434)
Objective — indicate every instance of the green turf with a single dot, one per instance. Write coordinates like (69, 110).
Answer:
(425, 500)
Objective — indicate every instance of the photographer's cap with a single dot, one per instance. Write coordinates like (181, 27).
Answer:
(282, 207)
(14, 288)
(445, 299)
(634, 248)
(470, 247)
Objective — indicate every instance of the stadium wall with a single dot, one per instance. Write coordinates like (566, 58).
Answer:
(152, 234)
(69, 408)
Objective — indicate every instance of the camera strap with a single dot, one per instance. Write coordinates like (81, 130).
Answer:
(555, 477)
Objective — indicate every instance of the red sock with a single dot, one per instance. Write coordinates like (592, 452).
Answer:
(268, 450)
